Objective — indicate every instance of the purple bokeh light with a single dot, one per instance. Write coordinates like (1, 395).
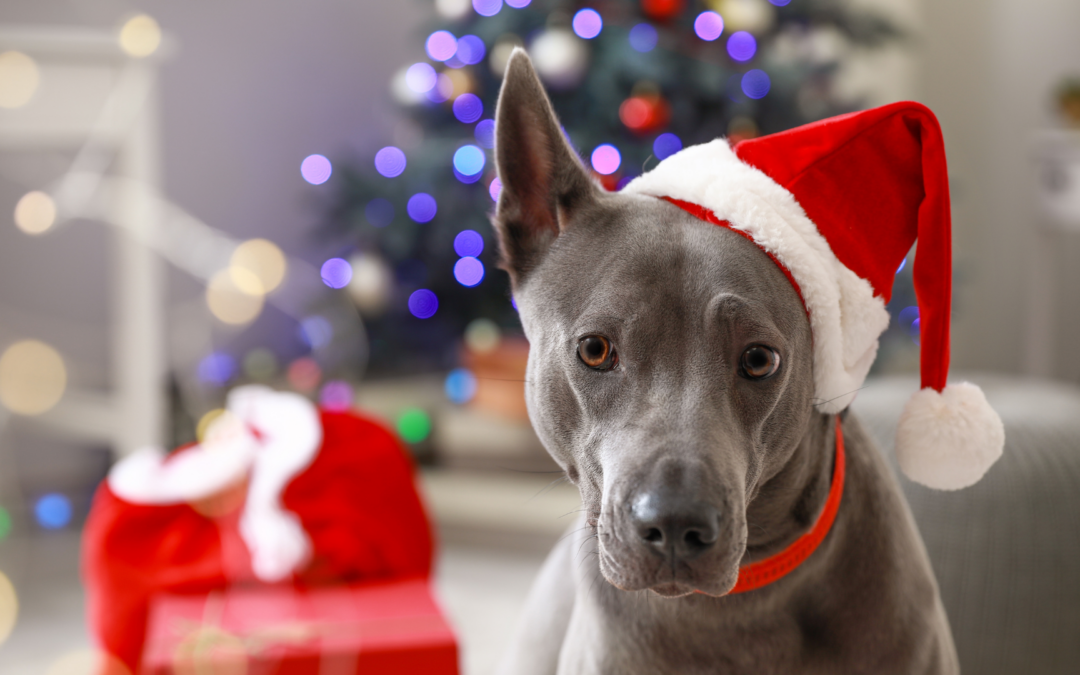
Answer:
(709, 26)
(469, 160)
(518, 4)
(741, 46)
(379, 212)
(781, 3)
(441, 45)
(495, 189)
(315, 331)
(468, 108)
(420, 77)
(756, 83)
(468, 180)
(423, 304)
(587, 23)
(336, 396)
(487, 7)
(316, 169)
(468, 243)
(216, 368)
(485, 133)
(336, 273)
(422, 207)
(468, 271)
(390, 161)
(470, 50)
(666, 145)
(605, 159)
(643, 37)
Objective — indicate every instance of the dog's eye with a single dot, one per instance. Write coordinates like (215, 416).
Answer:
(596, 352)
(758, 362)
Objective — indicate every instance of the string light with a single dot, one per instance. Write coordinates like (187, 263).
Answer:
(423, 304)
(441, 45)
(9, 608)
(487, 7)
(52, 511)
(229, 302)
(755, 83)
(605, 159)
(709, 26)
(460, 385)
(32, 377)
(390, 161)
(19, 78)
(261, 259)
(422, 207)
(469, 271)
(379, 212)
(666, 145)
(468, 243)
(216, 368)
(741, 46)
(587, 23)
(336, 273)
(316, 169)
(35, 212)
(140, 36)
(643, 37)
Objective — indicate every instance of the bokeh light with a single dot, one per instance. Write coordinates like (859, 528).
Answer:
(469, 243)
(903, 263)
(468, 108)
(756, 83)
(443, 89)
(518, 4)
(420, 77)
(471, 50)
(19, 79)
(469, 160)
(260, 364)
(9, 608)
(202, 427)
(482, 336)
(469, 271)
(263, 260)
(52, 511)
(485, 133)
(495, 189)
(587, 23)
(643, 37)
(423, 304)
(709, 26)
(371, 283)
(781, 3)
(316, 169)
(304, 374)
(96, 662)
(216, 368)
(487, 7)
(32, 377)
(229, 302)
(605, 159)
(666, 145)
(35, 212)
(452, 9)
(390, 161)
(336, 395)
(336, 273)
(422, 207)
(315, 331)
(907, 316)
(441, 45)
(140, 36)
(5, 530)
(741, 46)
(379, 212)
(413, 424)
(460, 385)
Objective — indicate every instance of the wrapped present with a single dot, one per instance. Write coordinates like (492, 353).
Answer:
(392, 627)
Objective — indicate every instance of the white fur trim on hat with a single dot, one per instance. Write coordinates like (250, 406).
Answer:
(948, 440)
(845, 317)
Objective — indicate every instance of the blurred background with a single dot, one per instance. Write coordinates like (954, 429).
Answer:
(199, 195)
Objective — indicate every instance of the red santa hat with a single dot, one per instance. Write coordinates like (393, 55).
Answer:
(838, 204)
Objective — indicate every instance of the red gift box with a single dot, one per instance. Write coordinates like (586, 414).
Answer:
(390, 627)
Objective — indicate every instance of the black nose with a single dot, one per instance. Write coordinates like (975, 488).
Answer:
(674, 524)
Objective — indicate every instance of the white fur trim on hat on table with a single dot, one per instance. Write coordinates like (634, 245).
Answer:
(948, 440)
(845, 317)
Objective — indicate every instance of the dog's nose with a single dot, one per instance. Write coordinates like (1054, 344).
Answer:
(673, 524)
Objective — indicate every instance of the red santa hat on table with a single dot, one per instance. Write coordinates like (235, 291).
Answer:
(838, 204)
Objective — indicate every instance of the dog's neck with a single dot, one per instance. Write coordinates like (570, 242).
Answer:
(788, 503)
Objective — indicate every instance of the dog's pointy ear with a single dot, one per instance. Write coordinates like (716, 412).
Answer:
(543, 180)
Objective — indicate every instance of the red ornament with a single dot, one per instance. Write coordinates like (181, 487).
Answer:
(645, 114)
(662, 10)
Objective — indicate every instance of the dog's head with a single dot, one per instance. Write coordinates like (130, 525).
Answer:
(670, 363)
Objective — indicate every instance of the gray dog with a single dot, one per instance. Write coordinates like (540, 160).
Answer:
(670, 375)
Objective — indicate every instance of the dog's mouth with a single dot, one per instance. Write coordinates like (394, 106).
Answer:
(713, 575)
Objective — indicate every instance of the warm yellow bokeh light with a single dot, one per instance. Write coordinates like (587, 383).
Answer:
(87, 662)
(35, 212)
(246, 281)
(482, 336)
(32, 377)
(205, 421)
(19, 79)
(229, 303)
(140, 36)
(9, 608)
(261, 258)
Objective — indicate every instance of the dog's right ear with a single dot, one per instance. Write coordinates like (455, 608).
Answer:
(543, 180)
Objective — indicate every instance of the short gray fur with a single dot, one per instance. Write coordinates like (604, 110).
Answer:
(681, 299)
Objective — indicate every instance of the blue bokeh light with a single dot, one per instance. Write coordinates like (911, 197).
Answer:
(605, 159)
(756, 83)
(315, 331)
(379, 212)
(907, 316)
(470, 50)
(469, 160)
(468, 243)
(781, 3)
(460, 385)
(643, 37)
(903, 263)
(441, 45)
(316, 169)
(468, 108)
(666, 145)
(487, 7)
(468, 180)
(52, 511)
(423, 304)
(469, 271)
(390, 161)
(422, 207)
(336, 273)
(217, 368)
(587, 23)
(485, 133)
(741, 46)
(709, 26)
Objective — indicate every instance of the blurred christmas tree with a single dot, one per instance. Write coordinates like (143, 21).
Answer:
(633, 81)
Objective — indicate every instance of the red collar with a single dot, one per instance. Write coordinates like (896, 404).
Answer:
(763, 572)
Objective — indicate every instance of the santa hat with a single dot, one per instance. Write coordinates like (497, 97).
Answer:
(837, 205)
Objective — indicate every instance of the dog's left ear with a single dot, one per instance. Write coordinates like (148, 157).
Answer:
(543, 180)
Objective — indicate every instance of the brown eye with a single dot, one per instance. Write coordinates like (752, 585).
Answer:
(758, 362)
(596, 352)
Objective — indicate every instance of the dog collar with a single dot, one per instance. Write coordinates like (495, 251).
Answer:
(764, 572)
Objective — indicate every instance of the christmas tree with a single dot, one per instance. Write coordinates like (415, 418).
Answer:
(633, 81)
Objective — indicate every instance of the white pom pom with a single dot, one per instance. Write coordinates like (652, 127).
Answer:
(948, 440)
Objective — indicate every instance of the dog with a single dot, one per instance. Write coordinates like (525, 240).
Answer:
(670, 376)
